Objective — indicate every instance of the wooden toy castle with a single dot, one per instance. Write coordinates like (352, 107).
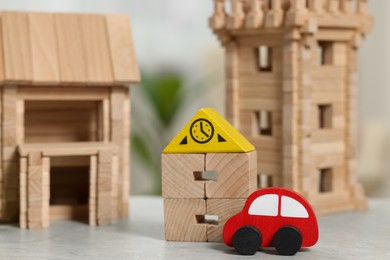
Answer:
(208, 171)
(291, 80)
(65, 111)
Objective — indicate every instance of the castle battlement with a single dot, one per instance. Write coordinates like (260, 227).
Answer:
(241, 15)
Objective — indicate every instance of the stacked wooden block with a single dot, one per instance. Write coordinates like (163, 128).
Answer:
(34, 191)
(202, 190)
(189, 201)
(107, 190)
(9, 161)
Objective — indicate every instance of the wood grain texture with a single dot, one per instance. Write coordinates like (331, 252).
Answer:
(66, 212)
(9, 156)
(224, 209)
(60, 121)
(66, 149)
(43, 49)
(58, 48)
(232, 84)
(2, 57)
(92, 202)
(178, 175)
(237, 175)
(23, 192)
(20, 121)
(35, 188)
(71, 54)
(46, 191)
(118, 135)
(180, 220)
(123, 199)
(1, 157)
(124, 63)
(116, 203)
(117, 98)
(16, 44)
(96, 49)
(104, 189)
(71, 93)
(104, 120)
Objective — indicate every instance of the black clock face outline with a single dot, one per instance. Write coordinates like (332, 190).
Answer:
(201, 123)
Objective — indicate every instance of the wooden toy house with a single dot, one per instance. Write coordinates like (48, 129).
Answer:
(65, 111)
(208, 171)
(291, 79)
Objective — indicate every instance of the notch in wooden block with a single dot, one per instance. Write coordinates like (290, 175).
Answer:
(182, 175)
(205, 176)
(207, 219)
(184, 221)
(237, 177)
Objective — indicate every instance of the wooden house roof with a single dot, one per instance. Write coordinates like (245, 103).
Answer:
(63, 49)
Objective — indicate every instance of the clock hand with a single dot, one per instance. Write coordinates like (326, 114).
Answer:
(202, 131)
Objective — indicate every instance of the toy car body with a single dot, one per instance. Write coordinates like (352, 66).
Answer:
(272, 217)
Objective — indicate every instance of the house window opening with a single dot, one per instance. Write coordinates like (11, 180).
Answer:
(325, 116)
(325, 53)
(264, 58)
(264, 181)
(325, 180)
(263, 123)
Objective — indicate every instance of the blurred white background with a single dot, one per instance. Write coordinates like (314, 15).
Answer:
(173, 36)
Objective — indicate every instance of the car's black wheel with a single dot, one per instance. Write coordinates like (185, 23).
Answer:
(288, 240)
(247, 240)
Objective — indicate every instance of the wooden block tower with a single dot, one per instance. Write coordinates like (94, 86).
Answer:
(65, 117)
(291, 80)
(208, 171)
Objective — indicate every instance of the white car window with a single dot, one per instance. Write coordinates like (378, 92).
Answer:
(266, 205)
(292, 208)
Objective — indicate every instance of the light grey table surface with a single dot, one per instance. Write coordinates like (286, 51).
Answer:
(353, 235)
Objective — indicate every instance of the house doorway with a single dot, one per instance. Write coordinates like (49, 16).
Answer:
(69, 188)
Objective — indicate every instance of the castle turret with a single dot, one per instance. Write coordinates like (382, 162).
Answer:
(291, 89)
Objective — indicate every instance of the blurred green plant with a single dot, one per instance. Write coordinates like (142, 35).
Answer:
(165, 92)
(157, 103)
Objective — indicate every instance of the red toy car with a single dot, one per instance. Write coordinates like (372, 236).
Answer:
(272, 217)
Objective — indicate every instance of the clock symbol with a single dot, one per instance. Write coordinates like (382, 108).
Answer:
(201, 131)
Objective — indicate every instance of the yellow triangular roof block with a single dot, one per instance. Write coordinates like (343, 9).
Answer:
(209, 132)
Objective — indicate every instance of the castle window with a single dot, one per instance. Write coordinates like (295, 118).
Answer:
(270, 4)
(325, 53)
(262, 122)
(264, 181)
(325, 180)
(324, 116)
(263, 58)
